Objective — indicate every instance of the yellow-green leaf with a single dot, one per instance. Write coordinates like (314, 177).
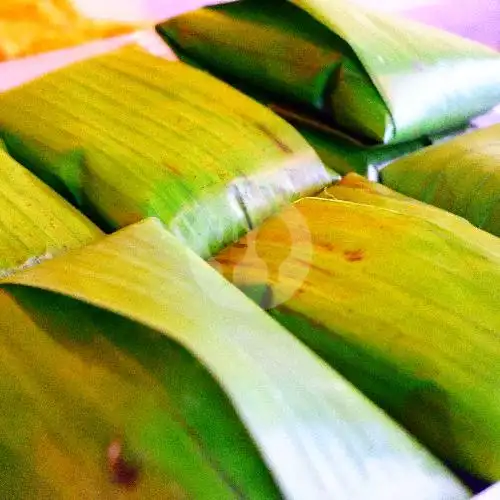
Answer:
(462, 176)
(136, 349)
(358, 189)
(35, 222)
(129, 135)
(400, 300)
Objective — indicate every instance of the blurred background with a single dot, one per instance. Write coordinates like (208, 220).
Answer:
(476, 19)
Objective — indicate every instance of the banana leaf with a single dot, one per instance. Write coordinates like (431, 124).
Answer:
(344, 154)
(400, 301)
(339, 152)
(357, 189)
(374, 75)
(129, 135)
(462, 176)
(35, 222)
(130, 368)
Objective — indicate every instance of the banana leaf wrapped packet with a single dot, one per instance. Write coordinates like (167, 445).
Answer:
(35, 222)
(461, 176)
(129, 135)
(375, 76)
(340, 152)
(131, 369)
(398, 296)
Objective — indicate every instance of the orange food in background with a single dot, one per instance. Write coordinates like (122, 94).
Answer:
(33, 26)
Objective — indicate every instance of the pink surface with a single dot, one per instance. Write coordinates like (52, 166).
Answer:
(14, 73)
(475, 19)
(133, 10)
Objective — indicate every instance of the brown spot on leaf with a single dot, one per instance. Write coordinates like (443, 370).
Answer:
(330, 247)
(228, 262)
(175, 170)
(240, 244)
(309, 264)
(281, 145)
(354, 255)
(123, 472)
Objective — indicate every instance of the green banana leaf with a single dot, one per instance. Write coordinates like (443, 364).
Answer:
(35, 222)
(129, 135)
(462, 176)
(343, 154)
(400, 301)
(131, 368)
(339, 152)
(374, 75)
